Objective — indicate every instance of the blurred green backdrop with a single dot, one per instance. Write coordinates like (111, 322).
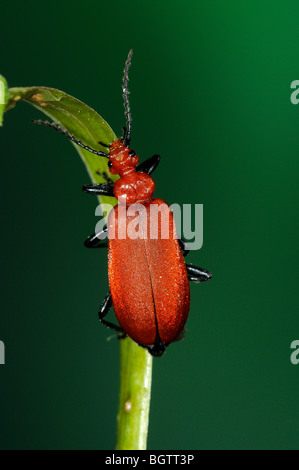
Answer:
(210, 89)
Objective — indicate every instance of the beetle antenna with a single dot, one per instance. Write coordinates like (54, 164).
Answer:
(57, 128)
(127, 130)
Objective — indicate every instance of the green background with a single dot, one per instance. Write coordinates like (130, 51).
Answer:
(210, 92)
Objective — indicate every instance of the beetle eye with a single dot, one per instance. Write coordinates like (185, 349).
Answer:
(110, 164)
(132, 153)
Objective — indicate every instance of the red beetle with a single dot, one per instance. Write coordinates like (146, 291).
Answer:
(148, 276)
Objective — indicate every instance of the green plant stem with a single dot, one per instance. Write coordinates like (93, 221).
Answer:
(134, 396)
(135, 362)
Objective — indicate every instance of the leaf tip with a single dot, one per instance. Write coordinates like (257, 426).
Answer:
(3, 97)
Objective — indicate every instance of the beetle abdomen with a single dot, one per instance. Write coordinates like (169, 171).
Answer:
(147, 273)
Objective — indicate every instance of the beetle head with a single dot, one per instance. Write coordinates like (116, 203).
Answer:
(122, 160)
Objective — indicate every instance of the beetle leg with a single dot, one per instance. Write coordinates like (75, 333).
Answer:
(158, 349)
(99, 189)
(184, 246)
(106, 177)
(104, 309)
(197, 274)
(149, 165)
(97, 239)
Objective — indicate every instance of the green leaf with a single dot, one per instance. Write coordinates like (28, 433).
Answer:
(3, 97)
(136, 363)
(79, 119)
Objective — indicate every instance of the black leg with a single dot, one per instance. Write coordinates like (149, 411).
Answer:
(97, 240)
(157, 349)
(103, 144)
(184, 246)
(104, 309)
(149, 165)
(106, 177)
(99, 189)
(196, 274)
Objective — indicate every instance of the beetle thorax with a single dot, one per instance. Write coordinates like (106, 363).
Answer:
(132, 187)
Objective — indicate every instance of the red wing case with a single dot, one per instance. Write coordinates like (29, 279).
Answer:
(147, 272)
